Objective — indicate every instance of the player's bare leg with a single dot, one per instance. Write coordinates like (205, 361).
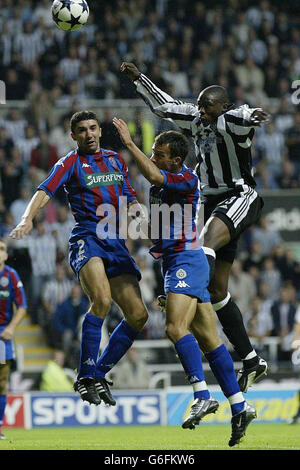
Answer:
(204, 327)
(95, 284)
(125, 291)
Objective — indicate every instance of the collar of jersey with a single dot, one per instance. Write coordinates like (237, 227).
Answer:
(96, 156)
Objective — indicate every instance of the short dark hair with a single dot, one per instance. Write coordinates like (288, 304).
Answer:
(178, 143)
(82, 116)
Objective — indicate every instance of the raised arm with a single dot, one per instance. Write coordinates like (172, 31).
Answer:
(160, 103)
(24, 227)
(145, 165)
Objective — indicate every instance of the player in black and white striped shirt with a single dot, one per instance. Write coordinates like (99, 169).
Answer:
(222, 137)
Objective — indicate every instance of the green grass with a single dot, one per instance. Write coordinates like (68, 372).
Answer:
(205, 437)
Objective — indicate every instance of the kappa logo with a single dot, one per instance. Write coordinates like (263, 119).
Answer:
(182, 284)
(90, 362)
(60, 162)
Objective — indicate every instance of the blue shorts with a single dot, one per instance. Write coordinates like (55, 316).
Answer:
(114, 253)
(187, 272)
(9, 348)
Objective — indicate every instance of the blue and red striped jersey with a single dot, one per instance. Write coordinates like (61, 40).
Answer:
(11, 294)
(174, 207)
(90, 181)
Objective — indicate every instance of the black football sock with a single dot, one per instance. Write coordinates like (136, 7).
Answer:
(211, 258)
(232, 323)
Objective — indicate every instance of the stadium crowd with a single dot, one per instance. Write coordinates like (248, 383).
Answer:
(251, 48)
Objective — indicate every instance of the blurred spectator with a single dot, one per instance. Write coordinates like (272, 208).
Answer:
(270, 144)
(15, 124)
(249, 75)
(110, 138)
(19, 205)
(241, 286)
(2, 210)
(44, 155)
(292, 142)
(60, 136)
(106, 83)
(148, 281)
(178, 79)
(54, 292)
(15, 89)
(30, 141)
(65, 324)
(258, 321)
(287, 264)
(255, 256)
(11, 177)
(156, 324)
(42, 251)
(6, 142)
(271, 276)
(283, 313)
(265, 236)
(288, 178)
(142, 132)
(132, 372)
(61, 229)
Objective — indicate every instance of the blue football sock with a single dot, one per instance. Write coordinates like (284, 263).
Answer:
(90, 344)
(2, 408)
(190, 357)
(119, 342)
(221, 364)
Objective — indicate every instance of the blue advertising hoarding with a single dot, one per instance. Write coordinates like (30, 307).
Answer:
(136, 408)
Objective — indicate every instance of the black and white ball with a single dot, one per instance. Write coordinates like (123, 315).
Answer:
(70, 15)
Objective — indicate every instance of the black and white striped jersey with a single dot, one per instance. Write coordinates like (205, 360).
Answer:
(223, 149)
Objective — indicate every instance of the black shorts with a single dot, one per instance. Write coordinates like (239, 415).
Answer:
(238, 209)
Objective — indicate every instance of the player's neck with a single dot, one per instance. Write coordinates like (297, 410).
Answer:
(2, 267)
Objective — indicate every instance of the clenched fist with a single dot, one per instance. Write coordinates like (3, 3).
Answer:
(130, 70)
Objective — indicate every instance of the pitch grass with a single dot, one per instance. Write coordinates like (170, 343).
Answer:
(206, 437)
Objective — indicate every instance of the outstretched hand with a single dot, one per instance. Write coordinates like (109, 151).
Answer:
(259, 117)
(22, 229)
(130, 70)
(123, 130)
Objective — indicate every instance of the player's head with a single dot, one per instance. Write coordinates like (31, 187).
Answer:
(169, 151)
(212, 102)
(3, 251)
(86, 130)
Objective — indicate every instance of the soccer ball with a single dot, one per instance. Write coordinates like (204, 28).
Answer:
(70, 15)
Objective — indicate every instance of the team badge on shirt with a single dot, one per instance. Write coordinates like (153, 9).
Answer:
(4, 281)
(181, 273)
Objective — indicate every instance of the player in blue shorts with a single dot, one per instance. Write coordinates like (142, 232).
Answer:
(97, 185)
(176, 186)
(12, 310)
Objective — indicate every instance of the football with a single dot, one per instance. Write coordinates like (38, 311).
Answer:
(70, 15)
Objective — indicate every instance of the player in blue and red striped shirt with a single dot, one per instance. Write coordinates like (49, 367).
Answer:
(97, 185)
(188, 299)
(12, 310)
